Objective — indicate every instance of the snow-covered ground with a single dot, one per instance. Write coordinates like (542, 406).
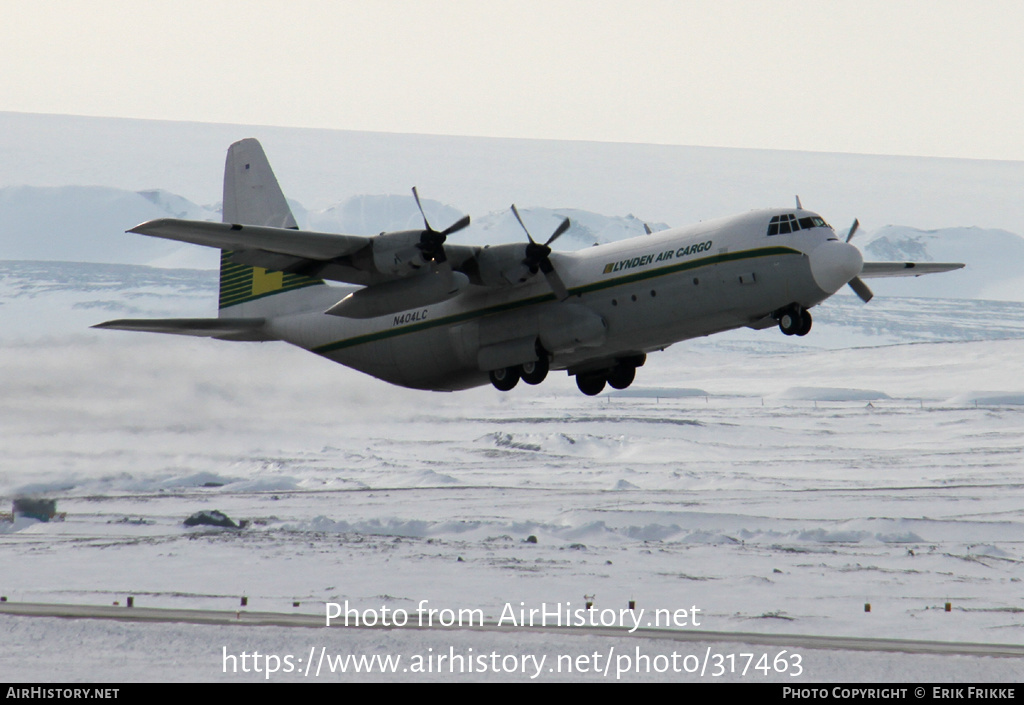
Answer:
(776, 484)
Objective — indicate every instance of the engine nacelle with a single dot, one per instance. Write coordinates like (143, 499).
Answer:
(398, 254)
(502, 265)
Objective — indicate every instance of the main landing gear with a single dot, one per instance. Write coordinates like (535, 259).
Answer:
(618, 377)
(507, 378)
(795, 321)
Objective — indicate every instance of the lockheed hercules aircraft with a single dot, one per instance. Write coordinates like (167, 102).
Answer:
(421, 312)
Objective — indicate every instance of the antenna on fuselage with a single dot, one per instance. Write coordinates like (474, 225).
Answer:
(798, 206)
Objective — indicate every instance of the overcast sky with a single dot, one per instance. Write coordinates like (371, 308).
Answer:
(918, 77)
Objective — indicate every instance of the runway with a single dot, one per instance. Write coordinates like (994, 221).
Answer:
(245, 618)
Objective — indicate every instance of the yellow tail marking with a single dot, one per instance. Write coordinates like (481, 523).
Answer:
(264, 282)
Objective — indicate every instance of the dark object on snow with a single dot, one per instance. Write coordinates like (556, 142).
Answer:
(531, 539)
(211, 518)
(41, 509)
(128, 520)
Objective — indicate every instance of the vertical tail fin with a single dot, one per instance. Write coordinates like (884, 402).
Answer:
(252, 196)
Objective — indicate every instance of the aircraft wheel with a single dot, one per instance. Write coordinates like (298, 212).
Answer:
(592, 384)
(805, 323)
(505, 379)
(535, 372)
(789, 322)
(622, 375)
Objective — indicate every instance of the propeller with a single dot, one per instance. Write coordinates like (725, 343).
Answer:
(853, 229)
(432, 241)
(857, 284)
(538, 257)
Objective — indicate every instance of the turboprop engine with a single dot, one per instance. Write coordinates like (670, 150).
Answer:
(503, 265)
(406, 252)
(399, 254)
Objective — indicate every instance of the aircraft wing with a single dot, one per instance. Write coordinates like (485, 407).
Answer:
(219, 328)
(874, 270)
(343, 258)
(304, 244)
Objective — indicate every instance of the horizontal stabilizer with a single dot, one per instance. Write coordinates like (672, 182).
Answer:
(220, 328)
(873, 270)
(227, 236)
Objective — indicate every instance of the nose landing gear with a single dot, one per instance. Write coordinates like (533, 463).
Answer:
(795, 321)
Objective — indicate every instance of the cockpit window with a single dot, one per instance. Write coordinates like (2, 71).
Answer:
(788, 223)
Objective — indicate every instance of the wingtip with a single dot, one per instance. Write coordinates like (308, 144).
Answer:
(148, 226)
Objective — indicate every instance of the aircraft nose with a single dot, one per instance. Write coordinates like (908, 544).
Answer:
(835, 263)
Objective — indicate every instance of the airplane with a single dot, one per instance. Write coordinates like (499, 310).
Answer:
(420, 312)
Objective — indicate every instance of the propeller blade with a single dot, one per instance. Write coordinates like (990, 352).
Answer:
(554, 281)
(515, 212)
(861, 289)
(456, 226)
(853, 229)
(419, 205)
(558, 231)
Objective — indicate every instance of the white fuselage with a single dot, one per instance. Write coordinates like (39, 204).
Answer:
(629, 298)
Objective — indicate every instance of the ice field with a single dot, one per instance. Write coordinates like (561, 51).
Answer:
(776, 485)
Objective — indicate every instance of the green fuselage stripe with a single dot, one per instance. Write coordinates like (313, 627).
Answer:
(577, 291)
